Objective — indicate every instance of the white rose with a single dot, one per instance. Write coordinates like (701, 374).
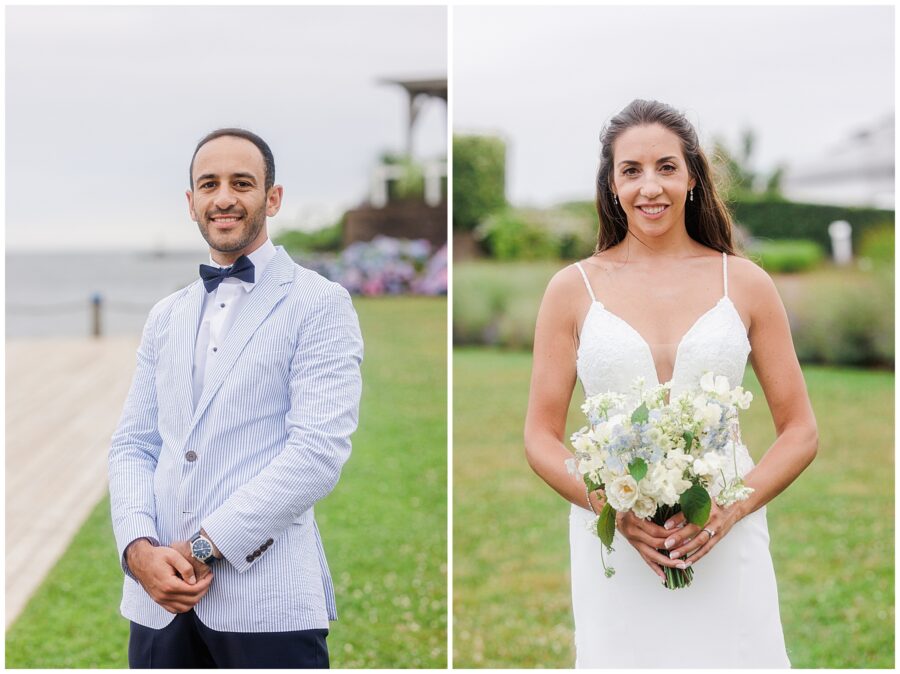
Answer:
(644, 507)
(622, 493)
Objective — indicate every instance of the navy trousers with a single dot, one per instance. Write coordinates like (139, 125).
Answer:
(186, 643)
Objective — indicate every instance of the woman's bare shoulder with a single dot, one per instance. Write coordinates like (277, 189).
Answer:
(751, 282)
(747, 272)
(566, 283)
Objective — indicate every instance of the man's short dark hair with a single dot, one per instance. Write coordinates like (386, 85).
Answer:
(261, 145)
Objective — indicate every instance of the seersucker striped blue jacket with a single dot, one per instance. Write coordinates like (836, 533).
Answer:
(267, 440)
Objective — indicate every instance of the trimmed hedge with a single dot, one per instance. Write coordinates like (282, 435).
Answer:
(769, 218)
(774, 219)
(479, 179)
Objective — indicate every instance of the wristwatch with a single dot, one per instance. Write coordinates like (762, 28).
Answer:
(202, 548)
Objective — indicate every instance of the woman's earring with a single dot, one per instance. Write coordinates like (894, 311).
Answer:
(692, 194)
(615, 199)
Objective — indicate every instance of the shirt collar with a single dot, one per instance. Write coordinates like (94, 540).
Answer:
(260, 259)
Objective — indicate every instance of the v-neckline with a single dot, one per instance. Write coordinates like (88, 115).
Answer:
(646, 344)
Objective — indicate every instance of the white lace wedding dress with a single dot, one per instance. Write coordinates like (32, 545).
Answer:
(728, 617)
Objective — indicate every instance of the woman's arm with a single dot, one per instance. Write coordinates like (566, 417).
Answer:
(552, 382)
(775, 362)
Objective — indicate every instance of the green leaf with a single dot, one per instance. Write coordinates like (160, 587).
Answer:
(696, 505)
(606, 525)
(640, 415)
(688, 440)
(637, 468)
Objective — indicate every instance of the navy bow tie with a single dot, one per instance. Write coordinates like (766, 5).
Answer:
(241, 269)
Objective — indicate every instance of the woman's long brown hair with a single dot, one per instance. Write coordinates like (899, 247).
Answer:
(706, 217)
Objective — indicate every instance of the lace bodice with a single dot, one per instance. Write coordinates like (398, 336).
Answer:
(612, 354)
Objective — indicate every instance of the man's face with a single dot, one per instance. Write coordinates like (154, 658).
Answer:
(229, 201)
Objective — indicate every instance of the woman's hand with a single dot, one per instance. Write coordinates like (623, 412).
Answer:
(647, 538)
(688, 542)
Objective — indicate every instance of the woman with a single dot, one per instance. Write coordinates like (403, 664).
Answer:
(665, 297)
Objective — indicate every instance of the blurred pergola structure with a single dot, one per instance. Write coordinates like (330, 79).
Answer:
(418, 93)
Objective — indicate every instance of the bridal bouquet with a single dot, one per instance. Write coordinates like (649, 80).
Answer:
(656, 457)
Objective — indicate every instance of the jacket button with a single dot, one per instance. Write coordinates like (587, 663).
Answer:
(256, 553)
(269, 542)
(250, 558)
(191, 456)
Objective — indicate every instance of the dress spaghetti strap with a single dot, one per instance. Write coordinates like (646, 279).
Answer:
(725, 271)
(587, 284)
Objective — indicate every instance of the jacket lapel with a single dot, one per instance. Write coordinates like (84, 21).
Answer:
(185, 321)
(268, 292)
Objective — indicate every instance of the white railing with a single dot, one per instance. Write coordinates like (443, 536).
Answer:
(432, 171)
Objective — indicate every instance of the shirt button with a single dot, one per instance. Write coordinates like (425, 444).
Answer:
(215, 348)
(256, 553)
(222, 306)
(249, 558)
(191, 456)
(269, 542)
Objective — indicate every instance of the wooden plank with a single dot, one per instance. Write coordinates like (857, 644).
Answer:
(64, 397)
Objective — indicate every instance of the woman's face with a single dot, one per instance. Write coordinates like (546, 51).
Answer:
(650, 178)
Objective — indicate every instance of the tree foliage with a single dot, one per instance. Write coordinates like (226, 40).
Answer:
(479, 179)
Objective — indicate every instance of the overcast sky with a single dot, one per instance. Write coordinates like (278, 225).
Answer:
(803, 78)
(105, 104)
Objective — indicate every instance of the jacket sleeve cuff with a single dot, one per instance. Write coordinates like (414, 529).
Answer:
(153, 541)
(239, 546)
(131, 528)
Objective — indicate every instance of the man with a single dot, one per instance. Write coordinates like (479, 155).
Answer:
(238, 420)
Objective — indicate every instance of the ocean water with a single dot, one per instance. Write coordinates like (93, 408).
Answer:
(49, 294)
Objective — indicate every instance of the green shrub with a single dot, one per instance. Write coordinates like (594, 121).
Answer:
(846, 321)
(497, 303)
(537, 234)
(877, 245)
(786, 256)
(479, 179)
(327, 239)
(508, 235)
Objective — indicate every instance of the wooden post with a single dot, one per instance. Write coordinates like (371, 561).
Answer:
(96, 306)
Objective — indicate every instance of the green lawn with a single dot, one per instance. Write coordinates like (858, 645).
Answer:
(832, 531)
(384, 526)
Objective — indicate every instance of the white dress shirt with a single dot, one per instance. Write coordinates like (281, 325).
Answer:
(220, 308)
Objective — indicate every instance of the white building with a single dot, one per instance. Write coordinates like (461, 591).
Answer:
(859, 171)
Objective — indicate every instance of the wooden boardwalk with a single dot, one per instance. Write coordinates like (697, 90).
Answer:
(63, 400)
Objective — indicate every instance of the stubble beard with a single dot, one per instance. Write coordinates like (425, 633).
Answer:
(254, 222)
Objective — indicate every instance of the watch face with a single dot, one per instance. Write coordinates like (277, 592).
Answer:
(201, 549)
